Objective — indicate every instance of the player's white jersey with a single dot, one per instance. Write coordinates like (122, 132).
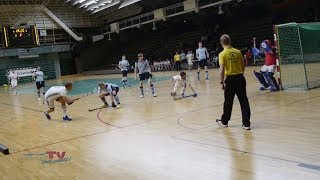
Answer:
(13, 79)
(109, 88)
(123, 65)
(39, 76)
(13, 76)
(202, 53)
(190, 58)
(178, 80)
(143, 67)
(56, 92)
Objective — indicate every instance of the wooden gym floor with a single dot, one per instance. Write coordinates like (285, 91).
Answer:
(161, 139)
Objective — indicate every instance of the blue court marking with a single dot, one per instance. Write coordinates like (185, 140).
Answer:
(309, 166)
(86, 85)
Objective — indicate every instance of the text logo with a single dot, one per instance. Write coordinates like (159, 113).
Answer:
(60, 155)
(49, 157)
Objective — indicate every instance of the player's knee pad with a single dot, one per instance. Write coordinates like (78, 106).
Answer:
(151, 85)
(265, 75)
(141, 87)
(270, 74)
(272, 81)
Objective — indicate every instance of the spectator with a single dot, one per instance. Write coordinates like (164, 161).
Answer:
(183, 59)
(177, 61)
(248, 57)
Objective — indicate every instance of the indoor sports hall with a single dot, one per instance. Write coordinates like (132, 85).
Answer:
(112, 121)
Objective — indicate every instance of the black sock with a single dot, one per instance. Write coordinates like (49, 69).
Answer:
(104, 101)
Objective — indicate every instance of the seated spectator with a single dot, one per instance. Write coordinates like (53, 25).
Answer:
(248, 57)
(155, 64)
(168, 64)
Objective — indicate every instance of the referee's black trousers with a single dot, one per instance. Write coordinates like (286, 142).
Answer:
(236, 85)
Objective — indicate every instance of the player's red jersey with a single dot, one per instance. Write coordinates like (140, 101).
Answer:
(270, 59)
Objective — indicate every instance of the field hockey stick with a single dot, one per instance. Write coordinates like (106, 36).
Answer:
(191, 95)
(95, 109)
(100, 108)
(85, 95)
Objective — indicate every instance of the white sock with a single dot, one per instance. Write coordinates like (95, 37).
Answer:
(64, 110)
(117, 99)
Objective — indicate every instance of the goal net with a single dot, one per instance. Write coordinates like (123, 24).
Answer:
(299, 55)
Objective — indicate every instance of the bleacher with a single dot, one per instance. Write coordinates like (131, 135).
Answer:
(149, 46)
(261, 28)
(153, 44)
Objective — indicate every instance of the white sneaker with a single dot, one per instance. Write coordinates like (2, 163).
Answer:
(246, 127)
(142, 96)
(219, 122)
(154, 95)
(39, 99)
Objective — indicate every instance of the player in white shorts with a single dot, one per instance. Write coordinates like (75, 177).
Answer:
(123, 65)
(106, 89)
(180, 81)
(39, 77)
(59, 94)
(190, 58)
(13, 77)
(270, 68)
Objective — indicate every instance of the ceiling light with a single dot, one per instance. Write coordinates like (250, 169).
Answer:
(220, 10)
(154, 28)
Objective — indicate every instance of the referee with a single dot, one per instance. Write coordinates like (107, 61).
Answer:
(232, 67)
